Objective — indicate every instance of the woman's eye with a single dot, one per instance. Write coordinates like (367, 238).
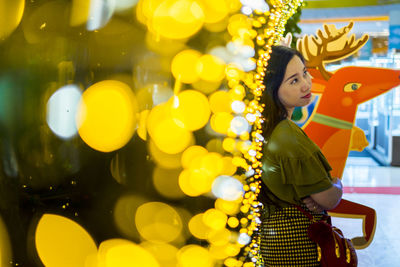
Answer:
(293, 81)
(305, 73)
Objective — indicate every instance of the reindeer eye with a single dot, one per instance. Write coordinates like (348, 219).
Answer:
(351, 87)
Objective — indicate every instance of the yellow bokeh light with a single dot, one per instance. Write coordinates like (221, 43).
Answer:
(107, 115)
(164, 160)
(79, 12)
(158, 222)
(166, 134)
(191, 109)
(244, 146)
(228, 167)
(198, 228)
(215, 145)
(219, 237)
(5, 246)
(229, 144)
(215, 219)
(240, 162)
(41, 24)
(220, 101)
(191, 153)
(124, 210)
(120, 252)
(201, 179)
(231, 262)
(166, 182)
(206, 87)
(212, 164)
(142, 130)
(171, 138)
(195, 182)
(177, 19)
(234, 6)
(239, 24)
(163, 46)
(234, 72)
(62, 242)
(10, 16)
(194, 256)
(217, 26)
(164, 253)
(218, 252)
(227, 207)
(144, 97)
(210, 68)
(221, 122)
(184, 64)
(232, 249)
(147, 8)
(237, 93)
(233, 222)
(186, 215)
(214, 10)
(185, 185)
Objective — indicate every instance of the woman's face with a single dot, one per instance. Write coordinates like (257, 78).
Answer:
(295, 90)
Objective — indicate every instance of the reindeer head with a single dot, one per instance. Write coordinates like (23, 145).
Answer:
(343, 90)
(351, 86)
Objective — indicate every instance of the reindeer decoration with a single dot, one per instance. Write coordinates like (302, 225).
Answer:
(331, 126)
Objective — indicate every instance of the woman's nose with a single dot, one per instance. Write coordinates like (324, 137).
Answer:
(306, 84)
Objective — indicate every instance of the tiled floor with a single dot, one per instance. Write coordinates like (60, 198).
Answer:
(385, 247)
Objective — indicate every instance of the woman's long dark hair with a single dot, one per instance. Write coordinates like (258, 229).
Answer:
(274, 111)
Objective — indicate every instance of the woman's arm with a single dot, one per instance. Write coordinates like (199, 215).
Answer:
(331, 197)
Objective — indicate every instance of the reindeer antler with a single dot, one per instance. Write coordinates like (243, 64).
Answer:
(330, 45)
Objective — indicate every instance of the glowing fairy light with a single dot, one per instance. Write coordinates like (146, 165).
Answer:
(239, 125)
(238, 106)
(268, 24)
(227, 188)
(244, 239)
(62, 109)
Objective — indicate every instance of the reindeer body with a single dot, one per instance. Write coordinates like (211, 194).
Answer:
(334, 144)
(331, 126)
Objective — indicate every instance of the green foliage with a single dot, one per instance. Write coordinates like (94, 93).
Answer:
(292, 26)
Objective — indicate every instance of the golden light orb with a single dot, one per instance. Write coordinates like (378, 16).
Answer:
(184, 66)
(191, 110)
(106, 117)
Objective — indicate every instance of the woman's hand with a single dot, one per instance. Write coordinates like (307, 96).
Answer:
(312, 205)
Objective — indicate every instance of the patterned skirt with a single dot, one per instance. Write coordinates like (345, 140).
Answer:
(284, 239)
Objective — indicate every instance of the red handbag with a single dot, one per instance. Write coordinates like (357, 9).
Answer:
(333, 248)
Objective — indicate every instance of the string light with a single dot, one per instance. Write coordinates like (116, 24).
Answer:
(267, 30)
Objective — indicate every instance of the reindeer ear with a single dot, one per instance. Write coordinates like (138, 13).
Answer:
(287, 40)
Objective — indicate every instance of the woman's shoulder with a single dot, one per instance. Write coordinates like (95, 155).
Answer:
(286, 126)
(287, 132)
(288, 140)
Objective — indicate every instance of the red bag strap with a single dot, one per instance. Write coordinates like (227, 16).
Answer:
(305, 213)
(325, 217)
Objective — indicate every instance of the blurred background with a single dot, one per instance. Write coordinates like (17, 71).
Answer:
(124, 128)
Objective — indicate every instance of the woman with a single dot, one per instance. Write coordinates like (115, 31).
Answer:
(294, 169)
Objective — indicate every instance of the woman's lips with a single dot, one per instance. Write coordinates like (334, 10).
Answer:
(307, 96)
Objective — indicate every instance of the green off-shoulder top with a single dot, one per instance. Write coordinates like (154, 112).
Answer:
(293, 166)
